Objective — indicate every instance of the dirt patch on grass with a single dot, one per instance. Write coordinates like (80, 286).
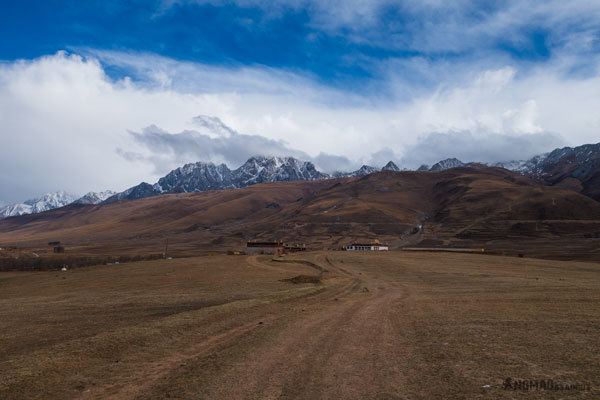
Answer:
(303, 279)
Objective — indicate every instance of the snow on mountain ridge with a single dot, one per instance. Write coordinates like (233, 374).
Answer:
(94, 197)
(202, 176)
(47, 202)
(447, 164)
(580, 162)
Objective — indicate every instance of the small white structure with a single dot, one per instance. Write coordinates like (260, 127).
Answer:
(366, 247)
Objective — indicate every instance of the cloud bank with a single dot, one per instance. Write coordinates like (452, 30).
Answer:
(66, 123)
(214, 142)
(469, 147)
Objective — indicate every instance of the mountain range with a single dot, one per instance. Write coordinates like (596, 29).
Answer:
(50, 201)
(95, 197)
(575, 168)
(201, 176)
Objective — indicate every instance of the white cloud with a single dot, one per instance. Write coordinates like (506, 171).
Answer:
(522, 119)
(62, 118)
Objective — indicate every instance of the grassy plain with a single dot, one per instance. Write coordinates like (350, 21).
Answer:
(395, 325)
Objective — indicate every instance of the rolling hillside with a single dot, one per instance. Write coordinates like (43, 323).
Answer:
(483, 207)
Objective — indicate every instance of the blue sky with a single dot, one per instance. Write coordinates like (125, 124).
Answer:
(340, 83)
(223, 34)
(299, 36)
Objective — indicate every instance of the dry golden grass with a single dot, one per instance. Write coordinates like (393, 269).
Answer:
(391, 325)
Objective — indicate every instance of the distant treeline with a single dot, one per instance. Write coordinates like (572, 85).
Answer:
(51, 263)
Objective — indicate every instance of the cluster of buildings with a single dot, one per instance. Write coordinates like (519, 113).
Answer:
(279, 247)
(276, 247)
(375, 246)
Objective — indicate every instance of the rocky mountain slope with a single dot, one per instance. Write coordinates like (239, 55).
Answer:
(574, 168)
(390, 166)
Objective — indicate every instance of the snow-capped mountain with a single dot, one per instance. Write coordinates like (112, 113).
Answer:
(13, 210)
(582, 158)
(95, 197)
(196, 177)
(576, 168)
(140, 191)
(446, 164)
(362, 171)
(390, 166)
(201, 176)
(543, 164)
(515, 165)
(47, 202)
(274, 169)
(525, 167)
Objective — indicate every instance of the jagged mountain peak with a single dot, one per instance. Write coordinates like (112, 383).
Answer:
(365, 170)
(446, 164)
(193, 177)
(202, 176)
(390, 166)
(362, 171)
(259, 169)
(95, 197)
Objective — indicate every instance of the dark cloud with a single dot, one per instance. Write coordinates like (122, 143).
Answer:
(217, 143)
(468, 147)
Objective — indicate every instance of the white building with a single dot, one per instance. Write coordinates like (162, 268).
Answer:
(366, 247)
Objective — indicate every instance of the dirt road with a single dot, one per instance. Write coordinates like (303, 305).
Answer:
(377, 326)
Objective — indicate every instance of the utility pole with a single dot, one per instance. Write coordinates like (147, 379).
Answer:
(166, 248)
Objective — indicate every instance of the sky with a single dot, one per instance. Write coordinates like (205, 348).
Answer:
(100, 95)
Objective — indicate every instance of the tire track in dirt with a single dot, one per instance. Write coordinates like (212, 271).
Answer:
(265, 371)
(151, 375)
(346, 347)
(337, 283)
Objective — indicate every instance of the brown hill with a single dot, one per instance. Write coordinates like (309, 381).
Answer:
(465, 207)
